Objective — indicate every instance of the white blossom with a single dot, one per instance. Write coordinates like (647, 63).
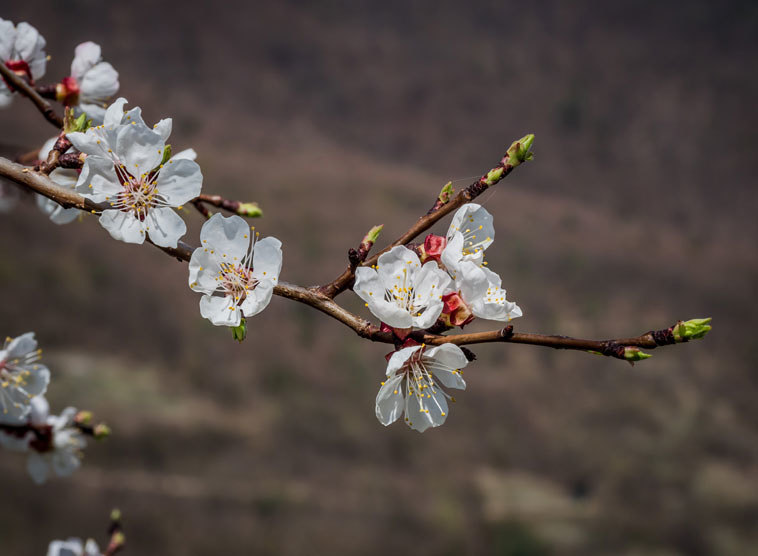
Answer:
(400, 291)
(237, 265)
(64, 177)
(124, 168)
(415, 377)
(22, 49)
(73, 547)
(21, 376)
(92, 83)
(65, 452)
(470, 233)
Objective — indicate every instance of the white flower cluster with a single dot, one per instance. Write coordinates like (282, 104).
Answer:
(453, 286)
(73, 547)
(22, 50)
(128, 167)
(53, 443)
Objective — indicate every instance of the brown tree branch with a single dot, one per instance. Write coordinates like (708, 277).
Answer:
(17, 83)
(439, 210)
(315, 298)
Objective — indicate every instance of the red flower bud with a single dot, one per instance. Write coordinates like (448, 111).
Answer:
(455, 312)
(67, 91)
(433, 247)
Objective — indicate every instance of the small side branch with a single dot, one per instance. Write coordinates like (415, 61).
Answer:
(17, 83)
(516, 154)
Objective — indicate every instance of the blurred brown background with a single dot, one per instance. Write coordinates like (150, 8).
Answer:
(637, 211)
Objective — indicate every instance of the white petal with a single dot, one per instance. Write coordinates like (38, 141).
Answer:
(7, 39)
(86, 55)
(98, 173)
(389, 401)
(428, 315)
(95, 112)
(65, 462)
(189, 154)
(397, 266)
(37, 467)
(179, 181)
(40, 410)
(267, 259)
(203, 270)
(221, 311)
(471, 281)
(20, 346)
(164, 226)
(11, 442)
(257, 299)
(88, 142)
(415, 417)
(99, 84)
(139, 148)
(6, 97)
(369, 287)
(228, 236)
(123, 226)
(115, 113)
(37, 381)
(398, 359)
(30, 46)
(91, 548)
(163, 128)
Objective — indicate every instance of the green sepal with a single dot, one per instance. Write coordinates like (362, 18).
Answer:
(240, 332)
(251, 210)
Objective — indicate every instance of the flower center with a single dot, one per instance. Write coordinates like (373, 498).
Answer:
(236, 280)
(404, 295)
(139, 194)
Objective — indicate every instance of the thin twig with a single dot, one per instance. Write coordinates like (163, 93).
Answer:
(17, 83)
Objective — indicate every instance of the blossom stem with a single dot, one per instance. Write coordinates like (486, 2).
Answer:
(19, 84)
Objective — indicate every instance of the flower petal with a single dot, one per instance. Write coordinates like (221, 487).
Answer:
(86, 55)
(20, 346)
(257, 299)
(30, 47)
(37, 467)
(203, 270)
(389, 400)
(123, 226)
(221, 311)
(164, 226)
(228, 236)
(180, 181)
(398, 359)
(99, 83)
(98, 181)
(7, 39)
(139, 149)
(416, 416)
(267, 259)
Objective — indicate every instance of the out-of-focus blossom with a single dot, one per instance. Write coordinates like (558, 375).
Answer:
(22, 49)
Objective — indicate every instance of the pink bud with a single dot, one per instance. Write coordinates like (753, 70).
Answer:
(433, 247)
(455, 312)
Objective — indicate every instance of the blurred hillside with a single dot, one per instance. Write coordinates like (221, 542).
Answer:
(637, 211)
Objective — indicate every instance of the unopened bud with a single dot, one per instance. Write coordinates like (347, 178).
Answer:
(251, 210)
(519, 151)
(433, 247)
(635, 354)
(71, 124)
(83, 418)
(115, 514)
(372, 235)
(446, 193)
(455, 311)
(240, 332)
(692, 329)
(101, 431)
(67, 91)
